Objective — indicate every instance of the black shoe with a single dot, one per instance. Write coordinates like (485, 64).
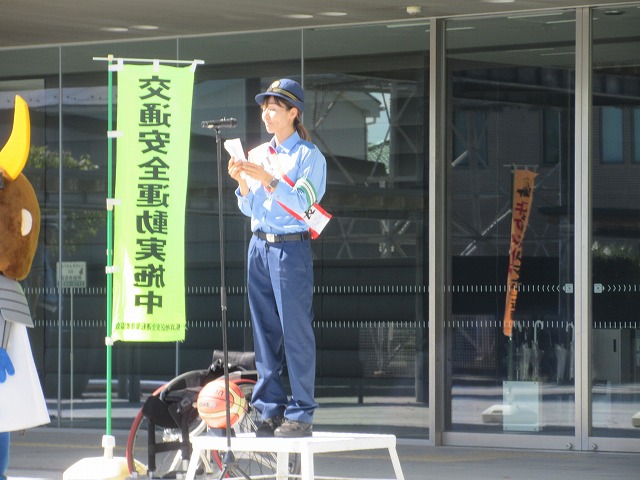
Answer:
(293, 429)
(268, 426)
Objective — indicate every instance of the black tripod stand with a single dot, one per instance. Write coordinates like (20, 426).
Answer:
(229, 461)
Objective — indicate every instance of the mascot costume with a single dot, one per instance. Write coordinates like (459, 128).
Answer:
(22, 403)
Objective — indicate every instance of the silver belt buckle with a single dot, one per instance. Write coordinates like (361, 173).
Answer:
(271, 237)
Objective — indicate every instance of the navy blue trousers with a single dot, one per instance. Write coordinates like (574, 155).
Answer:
(280, 290)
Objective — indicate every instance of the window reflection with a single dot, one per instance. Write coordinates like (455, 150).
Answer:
(366, 110)
(615, 335)
(511, 105)
(368, 116)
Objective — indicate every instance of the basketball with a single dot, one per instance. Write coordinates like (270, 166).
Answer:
(212, 404)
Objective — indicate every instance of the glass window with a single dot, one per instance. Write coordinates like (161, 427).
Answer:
(554, 140)
(365, 109)
(33, 74)
(611, 135)
(366, 93)
(369, 117)
(469, 139)
(615, 334)
(511, 79)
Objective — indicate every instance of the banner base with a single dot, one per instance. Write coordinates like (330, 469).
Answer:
(99, 468)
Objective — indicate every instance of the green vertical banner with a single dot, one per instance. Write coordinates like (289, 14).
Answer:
(152, 160)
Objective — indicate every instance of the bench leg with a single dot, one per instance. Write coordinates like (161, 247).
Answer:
(395, 460)
(282, 470)
(193, 464)
(306, 464)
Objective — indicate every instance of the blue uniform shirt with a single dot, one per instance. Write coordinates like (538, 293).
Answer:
(301, 162)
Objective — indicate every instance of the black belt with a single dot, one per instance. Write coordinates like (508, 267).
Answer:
(289, 237)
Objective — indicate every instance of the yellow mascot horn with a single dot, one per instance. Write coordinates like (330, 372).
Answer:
(13, 155)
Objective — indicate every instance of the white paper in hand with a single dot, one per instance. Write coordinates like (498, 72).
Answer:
(234, 147)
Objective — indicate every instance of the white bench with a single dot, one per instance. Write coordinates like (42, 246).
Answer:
(321, 442)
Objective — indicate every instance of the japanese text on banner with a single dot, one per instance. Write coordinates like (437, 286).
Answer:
(152, 159)
(523, 186)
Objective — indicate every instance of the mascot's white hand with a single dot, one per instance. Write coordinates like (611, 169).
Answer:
(6, 365)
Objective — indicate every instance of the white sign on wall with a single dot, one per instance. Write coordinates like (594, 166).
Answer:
(71, 274)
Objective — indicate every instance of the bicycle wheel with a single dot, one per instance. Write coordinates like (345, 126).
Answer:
(167, 450)
(252, 463)
(164, 447)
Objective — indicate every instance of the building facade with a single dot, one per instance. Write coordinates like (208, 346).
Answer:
(423, 125)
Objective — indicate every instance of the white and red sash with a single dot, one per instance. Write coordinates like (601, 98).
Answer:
(315, 216)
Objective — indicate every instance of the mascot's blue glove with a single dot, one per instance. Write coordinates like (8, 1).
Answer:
(6, 365)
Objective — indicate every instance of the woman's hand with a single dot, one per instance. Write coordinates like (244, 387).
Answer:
(235, 169)
(257, 172)
(236, 172)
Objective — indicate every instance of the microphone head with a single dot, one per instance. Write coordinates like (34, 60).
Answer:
(222, 123)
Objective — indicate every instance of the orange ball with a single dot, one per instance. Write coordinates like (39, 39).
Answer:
(212, 403)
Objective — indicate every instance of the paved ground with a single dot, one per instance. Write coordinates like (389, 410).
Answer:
(47, 452)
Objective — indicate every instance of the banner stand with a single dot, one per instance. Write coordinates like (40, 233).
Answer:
(109, 467)
(523, 187)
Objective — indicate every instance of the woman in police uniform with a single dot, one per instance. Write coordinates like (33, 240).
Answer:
(281, 180)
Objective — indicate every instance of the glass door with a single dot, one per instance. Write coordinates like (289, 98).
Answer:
(511, 260)
(615, 230)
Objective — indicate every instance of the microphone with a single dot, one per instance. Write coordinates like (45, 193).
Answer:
(221, 123)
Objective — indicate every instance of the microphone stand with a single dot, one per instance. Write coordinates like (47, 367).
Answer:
(229, 460)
